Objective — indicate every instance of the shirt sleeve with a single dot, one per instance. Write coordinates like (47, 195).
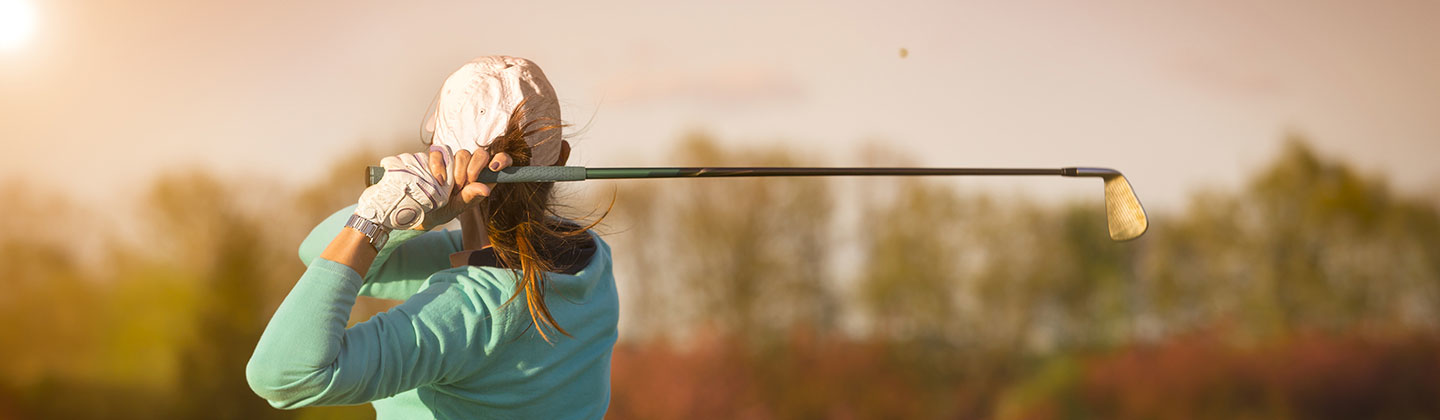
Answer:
(403, 264)
(307, 357)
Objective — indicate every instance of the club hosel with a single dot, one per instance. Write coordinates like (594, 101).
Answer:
(1089, 172)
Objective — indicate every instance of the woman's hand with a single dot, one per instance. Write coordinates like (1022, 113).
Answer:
(408, 194)
(467, 192)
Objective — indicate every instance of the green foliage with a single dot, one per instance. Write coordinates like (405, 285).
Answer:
(157, 325)
(910, 285)
(761, 298)
(754, 250)
(982, 298)
(1309, 244)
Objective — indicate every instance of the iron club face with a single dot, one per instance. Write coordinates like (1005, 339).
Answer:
(1123, 212)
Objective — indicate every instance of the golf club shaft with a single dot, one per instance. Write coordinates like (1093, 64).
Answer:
(1124, 215)
(629, 173)
(580, 173)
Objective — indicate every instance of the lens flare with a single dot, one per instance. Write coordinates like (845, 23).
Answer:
(17, 21)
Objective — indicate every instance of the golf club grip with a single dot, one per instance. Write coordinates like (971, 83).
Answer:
(513, 174)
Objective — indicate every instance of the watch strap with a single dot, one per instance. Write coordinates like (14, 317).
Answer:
(377, 234)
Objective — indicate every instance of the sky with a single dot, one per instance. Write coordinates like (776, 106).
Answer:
(104, 95)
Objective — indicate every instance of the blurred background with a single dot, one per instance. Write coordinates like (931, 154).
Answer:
(165, 158)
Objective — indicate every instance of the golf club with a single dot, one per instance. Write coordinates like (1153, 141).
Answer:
(1124, 215)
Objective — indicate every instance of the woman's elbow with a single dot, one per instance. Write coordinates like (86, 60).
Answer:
(281, 390)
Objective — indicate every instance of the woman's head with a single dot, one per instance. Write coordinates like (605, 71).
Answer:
(505, 105)
(476, 103)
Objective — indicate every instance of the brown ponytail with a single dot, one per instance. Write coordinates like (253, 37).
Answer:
(518, 224)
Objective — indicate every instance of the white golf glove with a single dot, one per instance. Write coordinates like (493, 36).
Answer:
(408, 192)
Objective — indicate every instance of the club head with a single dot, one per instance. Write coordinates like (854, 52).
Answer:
(1123, 212)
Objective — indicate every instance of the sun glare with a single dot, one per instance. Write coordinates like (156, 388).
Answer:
(17, 21)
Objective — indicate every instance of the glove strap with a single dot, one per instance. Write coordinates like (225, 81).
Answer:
(377, 234)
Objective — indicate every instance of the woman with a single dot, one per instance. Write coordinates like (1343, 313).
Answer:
(513, 316)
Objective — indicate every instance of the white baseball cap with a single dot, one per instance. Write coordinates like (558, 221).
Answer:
(476, 101)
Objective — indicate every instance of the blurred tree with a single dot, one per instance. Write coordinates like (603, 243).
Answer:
(636, 226)
(1308, 244)
(222, 246)
(909, 283)
(1327, 280)
(747, 255)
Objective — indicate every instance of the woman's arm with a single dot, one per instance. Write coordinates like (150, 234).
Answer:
(307, 357)
(353, 249)
(408, 258)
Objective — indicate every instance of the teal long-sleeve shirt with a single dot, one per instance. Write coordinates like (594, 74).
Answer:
(451, 350)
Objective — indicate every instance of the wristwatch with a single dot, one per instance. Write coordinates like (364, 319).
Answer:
(378, 234)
